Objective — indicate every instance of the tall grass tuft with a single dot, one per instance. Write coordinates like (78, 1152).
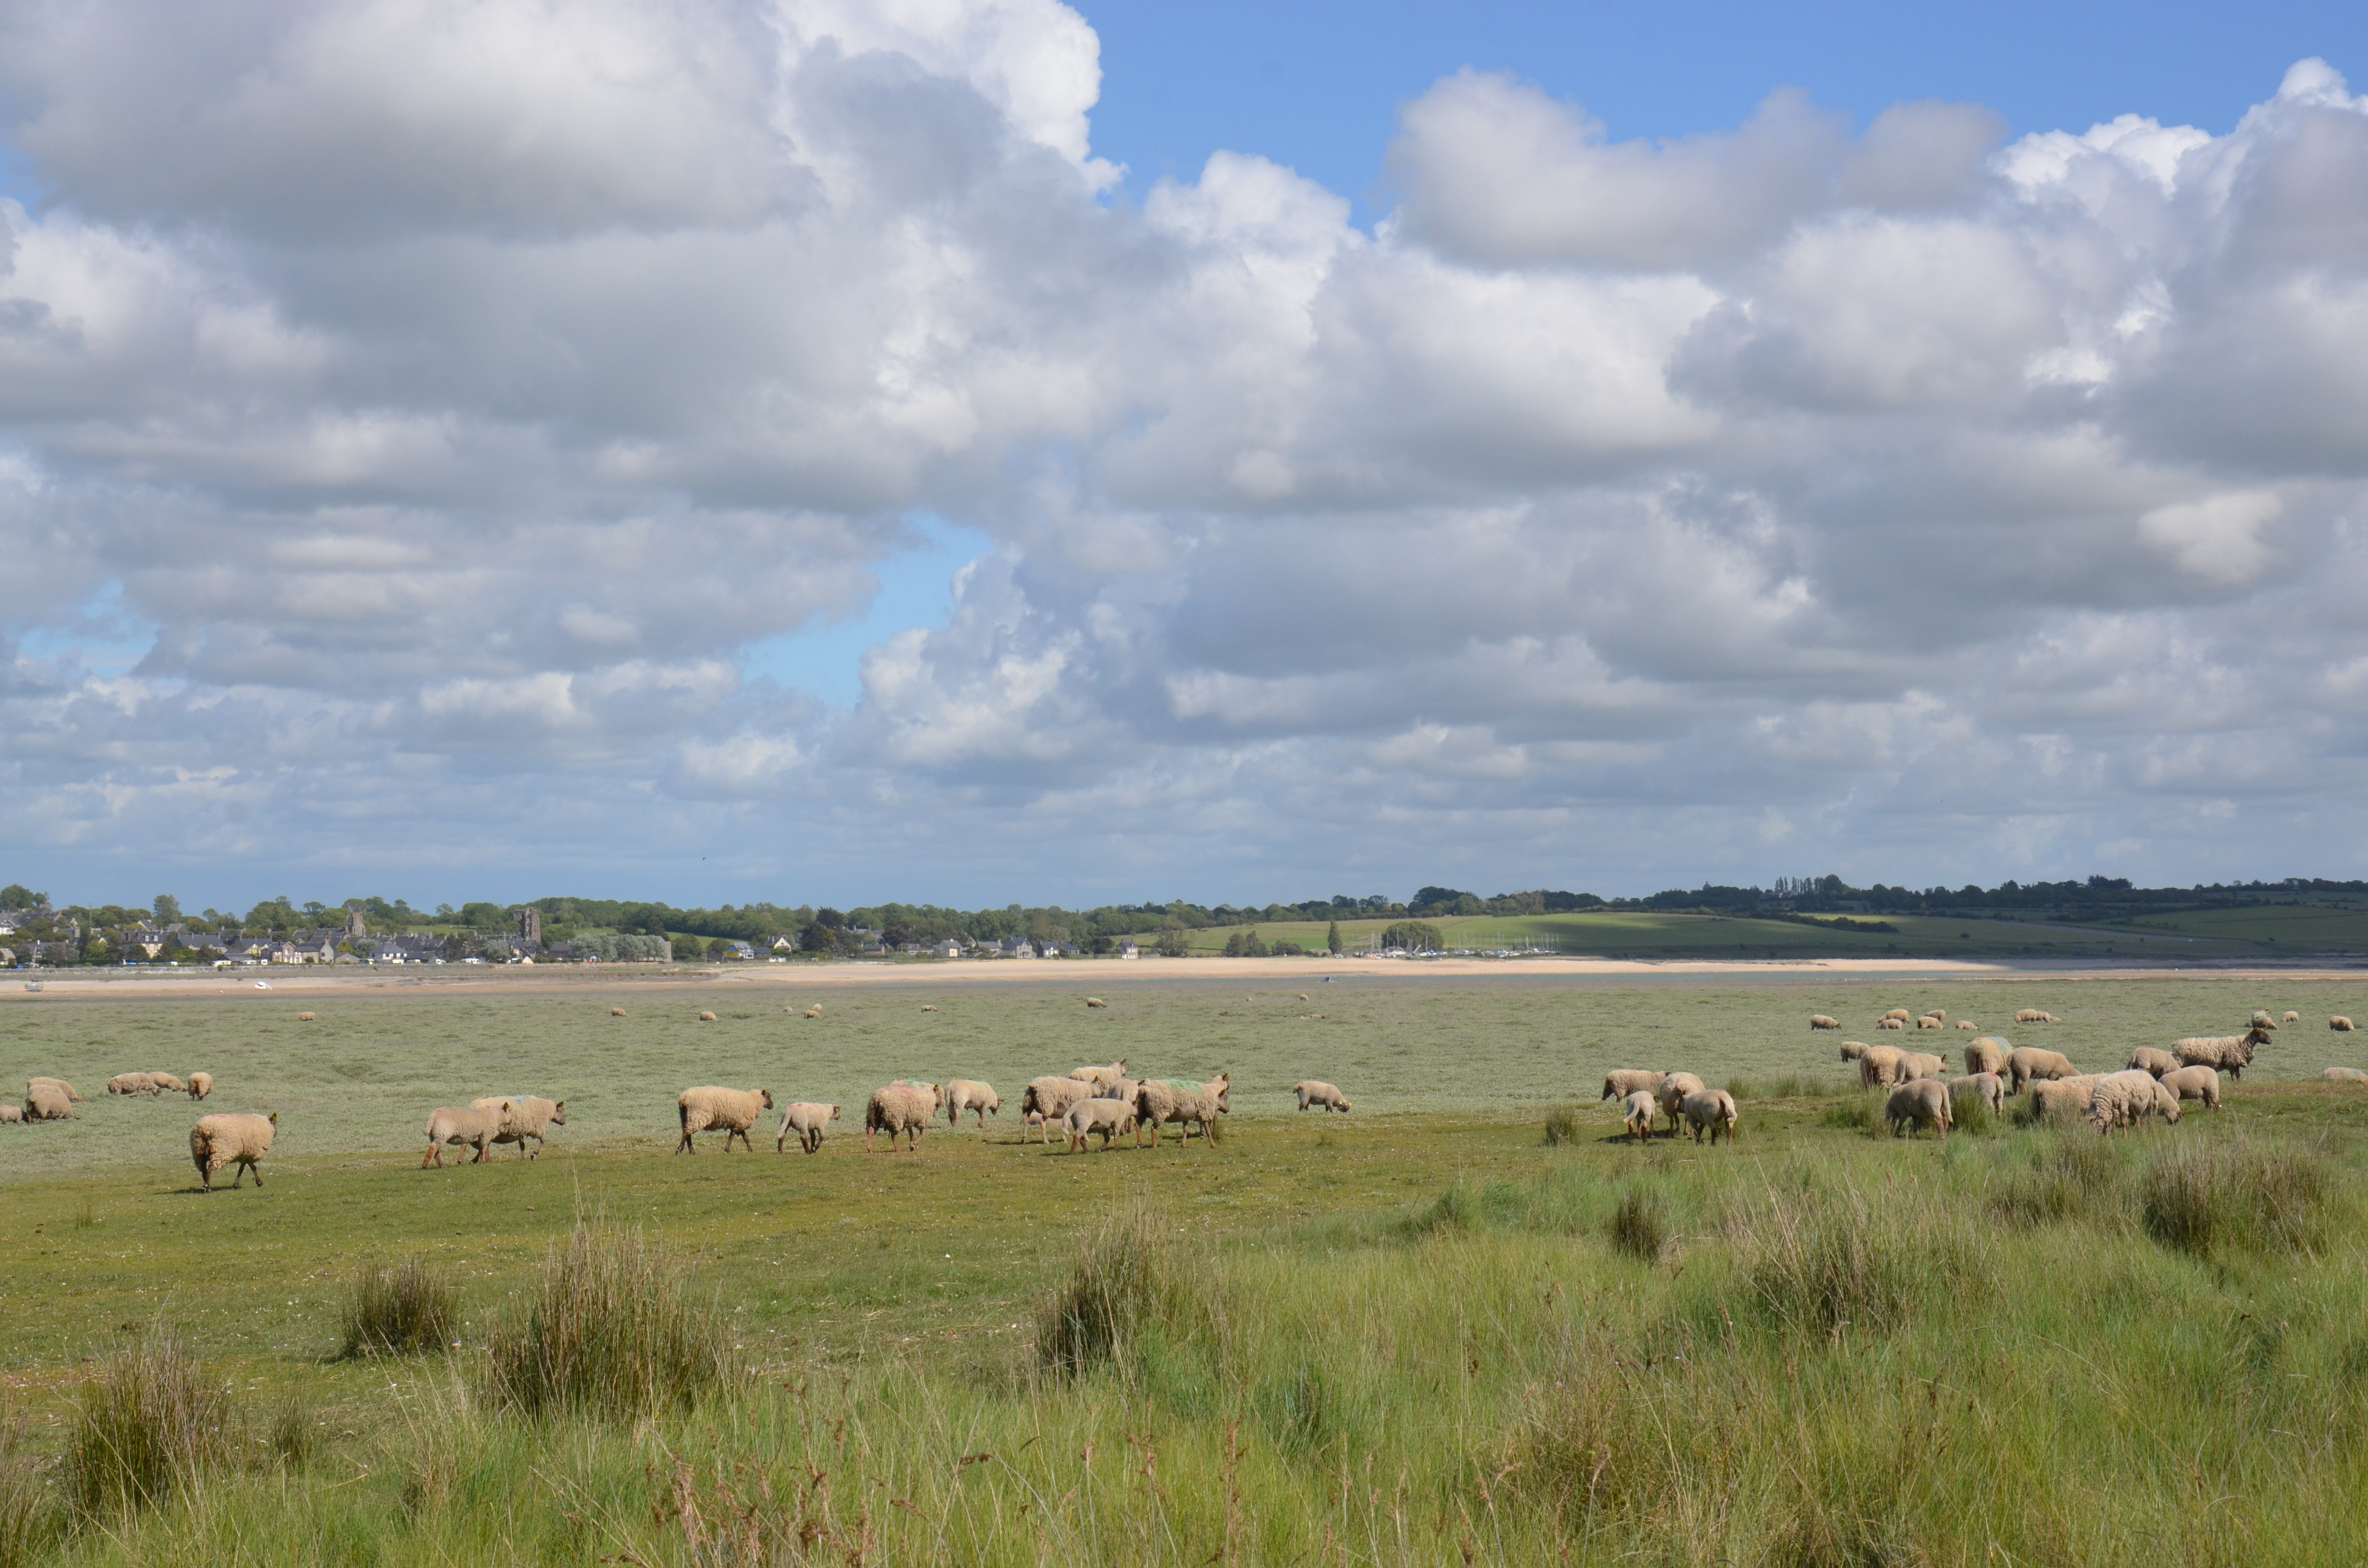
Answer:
(403, 1311)
(1782, 1087)
(27, 1514)
(1562, 1126)
(1834, 1259)
(1968, 1112)
(2204, 1199)
(2071, 1174)
(1640, 1224)
(146, 1424)
(1855, 1115)
(611, 1331)
(1113, 1291)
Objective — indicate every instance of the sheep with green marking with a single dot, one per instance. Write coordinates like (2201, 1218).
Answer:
(1183, 1102)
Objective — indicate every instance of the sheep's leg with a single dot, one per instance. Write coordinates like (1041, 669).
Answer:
(256, 1169)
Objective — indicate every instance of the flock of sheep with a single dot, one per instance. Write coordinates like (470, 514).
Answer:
(219, 1141)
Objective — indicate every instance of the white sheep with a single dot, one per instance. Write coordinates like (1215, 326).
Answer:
(475, 1127)
(2054, 1096)
(2129, 1097)
(1097, 1002)
(2231, 1053)
(2024, 1064)
(806, 1119)
(1969, 1026)
(1618, 1084)
(1109, 1118)
(1987, 1087)
(46, 1101)
(1987, 1053)
(2343, 1075)
(1051, 1098)
(2339, 1024)
(1110, 1075)
(1639, 1110)
(1899, 1013)
(2194, 1084)
(1923, 1103)
(1940, 1013)
(1929, 1022)
(167, 1084)
(62, 1086)
(530, 1116)
(2034, 1015)
(201, 1084)
(2290, 1017)
(905, 1107)
(1820, 1021)
(1891, 1023)
(1675, 1087)
(734, 1110)
(11, 1115)
(132, 1084)
(972, 1094)
(231, 1138)
(1853, 1051)
(1322, 1095)
(1712, 1111)
(1183, 1102)
(1916, 1064)
(1879, 1068)
(2147, 1059)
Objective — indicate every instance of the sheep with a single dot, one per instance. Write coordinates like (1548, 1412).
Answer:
(1182, 1101)
(1820, 1021)
(201, 1084)
(2034, 1015)
(69, 1090)
(1987, 1053)
(1710, 1110)
(2232, 1053)
(2339, 1024)
(1928, 1022)
(1034, 1119)
(2194, 1084)
(1940, 1013)
(2024, 1065)
(302, 1018)
(530, 1117)
(1969, 1026)
(734, 1110)
(132, 1084)
(229, 1138)
(1891, 1023)
(2290, 1017)
(1639, 1110)
(2050, 1096)
(815, 1011)
(1916, 1064)
(1987, 1087)
(1879, 1068)
(1110, 1075)
(1097, 1002)
(11, 1115)
(1853, 1051)
(929, 1006)
(476, 1128)
(2129, 1097)
(1924, 1103)
(1051, 1098)
(1899, 1013)
(2261, 1020)
(2341, 1074)
(1109, 1118)
(167, 1084)
(707, 1018)
(46, 1101)
(806, 1119)
(2147, 1059)
(1322, 1095)
(1622, 1082)
(971, 1094)
(902, 1106)
(1675, 1087)
(616, 1012)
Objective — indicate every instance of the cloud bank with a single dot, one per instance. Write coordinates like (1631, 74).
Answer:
(411, 412)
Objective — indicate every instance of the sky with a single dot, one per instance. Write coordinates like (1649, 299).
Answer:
(840, 451)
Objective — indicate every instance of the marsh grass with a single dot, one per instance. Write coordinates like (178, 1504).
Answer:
(1970, 1114)
(1640, 1224)
(2069, 1175)
(610, 1329)
(146, 1424)
(1562, 1126)
(408, 1310)
(2235, 1193)
(1856, 1113)
(1114, 1287)
(27, 1505)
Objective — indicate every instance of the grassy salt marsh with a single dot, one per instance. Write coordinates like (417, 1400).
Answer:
(1815, 1346)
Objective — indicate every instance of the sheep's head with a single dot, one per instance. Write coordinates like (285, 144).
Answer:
(766, 1095)
(558, 1113)
(1225, 1107)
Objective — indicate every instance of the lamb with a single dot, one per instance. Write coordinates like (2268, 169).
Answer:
(2341, 1074)
(302, 1018)
(2050, 1096)
(1183, 1102)
(1051, 1098)
(530, 1117)
(167, 1084)
(1891, 1023)
(1710, 1110)
(2339, 1024)
(807, 1120)
(1625, 1081)
(1969, 1026)
(46, 1101)
(1639, 1110)
(1879, 1068)
(2033, 1016)
(1853, 1051)
(1987, 1087)
(11, 1115)
(1109, 1118)
(902, 1106)
(132, 1084)
(1675, 1087)
(734, 1110)
(67, 1088)
(1924, 1103)
(1916, 1064)
(476, 1128)
(201, 1084)
(2194, 1084)
(1928, 1022)
(1110, 1075)
(1987, 1053)
(2231, 1053)
(229, 1138)
(616, 1012)
(971, 1094)
(2127, 1098)
(1322, 1095)
(2290, 1017)
(1820, 1021)
(2147, 1059)
(707, 1018)
(2024, 1065)
(1097, 1002)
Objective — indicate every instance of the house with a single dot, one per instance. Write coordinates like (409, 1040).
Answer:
(1060, 950)
(785, 944)
(740, 950)
(1129, 951)
(1018, 948)
(948, 949)
(408, 950)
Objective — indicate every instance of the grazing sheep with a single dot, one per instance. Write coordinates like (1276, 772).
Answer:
(2232, 1053)
(971, 1094)
(902, 1106)
(707, 1018)
(616, 1012)
(1110, 1075)
(1879, 1068)
(815, 1011)
(1940, 1013)
(2341, 1074)
(1051, 1098)
(477, 1127)
(1987, 1087)
(2290, 1017)
(1924, 1103)
(1916, 1064)
(2261, 1020)
(1034, 1119)
(302, 1018)
(10, 1114)
(167, 1084)
(2147, 1059)
(1819, 1021)
(71, 1093)
(1853, 1051)
(2055, 1096)
(1109, 1118)
(2034, 1015)
(1987, 1053)
(1675, 1087)
(1625, 1081)
(734, 1110)
(1183, 1102)
(1640, 1110)
(231, 1138)
(201, 1084)
(1322, 1095)
(2127, 1098)
(2194, 1084)
(1900, 1013)
(1891, 1023)
(2024, 1065)
(1097, 1002)
(1928, 1022)
(530, 1117)
(806, 1119)
(1710, 1110)
(47, 1101)
(1969, 1026)
(2339, 1024)
(132, 1084)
